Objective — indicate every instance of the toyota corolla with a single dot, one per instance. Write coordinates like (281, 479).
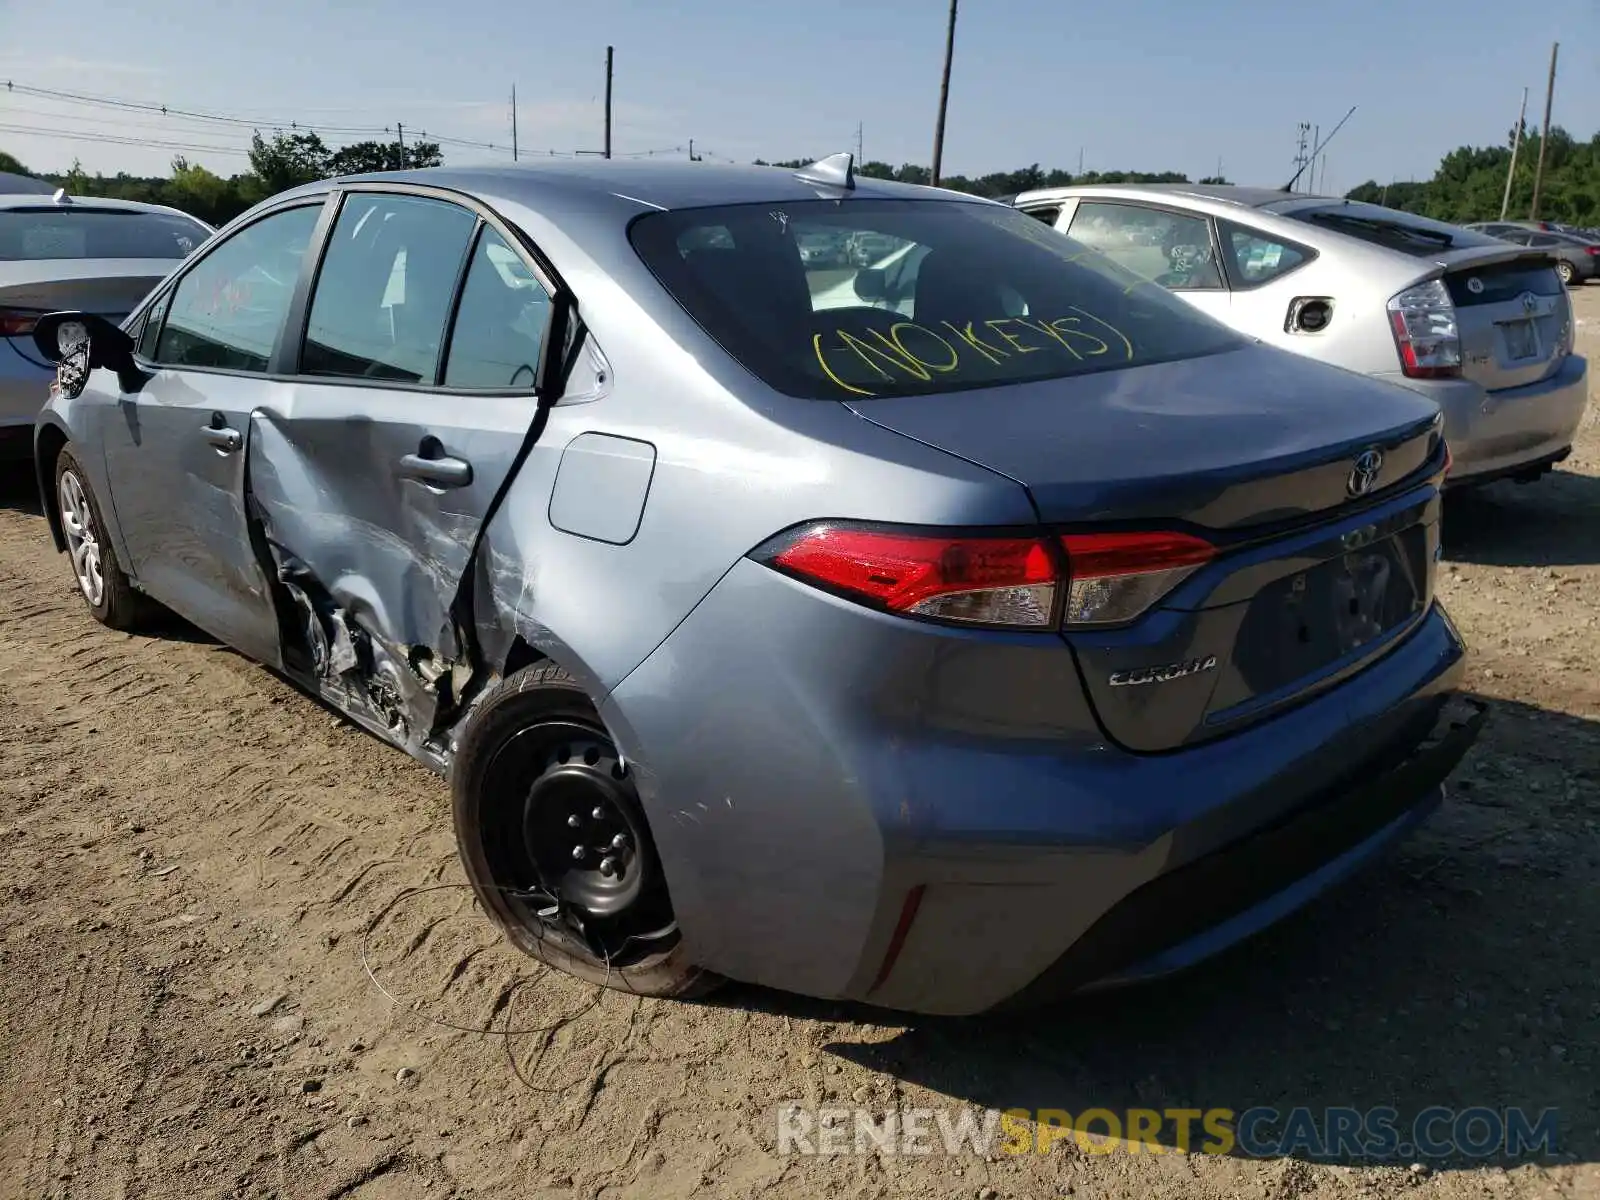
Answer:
(1021, 633)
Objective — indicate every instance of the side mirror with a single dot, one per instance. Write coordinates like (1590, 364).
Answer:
(871, 284)
(78, 342)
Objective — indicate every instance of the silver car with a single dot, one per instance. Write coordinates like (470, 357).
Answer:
(61, 252)
(1483, 328)
(1021, 634)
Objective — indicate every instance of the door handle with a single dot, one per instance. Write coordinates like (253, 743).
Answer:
(224, 439)
(440, 472)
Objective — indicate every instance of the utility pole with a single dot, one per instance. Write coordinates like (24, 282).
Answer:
(1516, 144)
(513, 122)
(400, 136)
(693, 157)
(861, 156)
(1300, 146)
(1544, 138)
(1080, 161)
(608, 101)
(1316, 144)
(944, 94)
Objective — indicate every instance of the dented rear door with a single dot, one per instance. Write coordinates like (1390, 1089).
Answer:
(374, 471)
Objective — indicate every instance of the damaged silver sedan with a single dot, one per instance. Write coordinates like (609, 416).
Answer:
(947, 634)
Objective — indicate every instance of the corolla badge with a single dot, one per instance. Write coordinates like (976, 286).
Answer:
(1165, 673)
(1368, 465)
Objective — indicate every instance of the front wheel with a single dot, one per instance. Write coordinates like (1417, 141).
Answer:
(555, 842)
(104, 586)
(1564, 270)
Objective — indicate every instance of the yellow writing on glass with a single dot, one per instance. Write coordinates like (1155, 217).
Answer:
(907, 350)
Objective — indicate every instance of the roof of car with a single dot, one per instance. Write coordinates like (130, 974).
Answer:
(653, 183)
(1226, 193)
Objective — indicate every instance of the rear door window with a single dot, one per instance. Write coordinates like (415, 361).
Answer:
(68, 233)
(383, 292)
(500, 323)
(1173, 249)
(934, 296)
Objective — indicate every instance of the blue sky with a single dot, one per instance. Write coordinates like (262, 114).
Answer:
(1136, 84)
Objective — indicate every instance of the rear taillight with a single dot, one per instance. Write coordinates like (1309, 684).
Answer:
(1423, 319)
(17, 322)
(1013, 582)
(971, 580)
(1113, 577)
(1591, 249)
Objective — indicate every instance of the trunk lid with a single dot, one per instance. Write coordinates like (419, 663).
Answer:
(1255, 449)
(1512, 314)
(1247, 437)
(108, 287)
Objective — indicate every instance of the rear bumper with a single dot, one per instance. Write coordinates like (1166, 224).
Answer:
(1193, 912)
(1493, 434)
(24, 387)
(858, 806)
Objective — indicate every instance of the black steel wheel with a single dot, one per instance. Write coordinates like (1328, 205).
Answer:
(555, 840)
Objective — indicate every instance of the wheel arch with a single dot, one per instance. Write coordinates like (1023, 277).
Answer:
(49, 440)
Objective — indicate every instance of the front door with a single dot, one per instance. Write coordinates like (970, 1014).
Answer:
(373, 472)
(176, 450)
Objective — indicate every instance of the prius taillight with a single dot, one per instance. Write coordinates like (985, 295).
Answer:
(995, 580)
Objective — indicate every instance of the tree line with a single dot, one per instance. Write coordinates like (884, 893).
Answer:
(1467, 186)
(282, 161)
(1470, 182)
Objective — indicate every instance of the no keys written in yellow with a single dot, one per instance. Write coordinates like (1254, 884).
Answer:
(907, 351)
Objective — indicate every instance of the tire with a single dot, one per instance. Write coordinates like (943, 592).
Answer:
(1565, 272)
(104, 586)
(535, 760)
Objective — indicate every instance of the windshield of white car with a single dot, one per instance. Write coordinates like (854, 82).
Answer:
(53, 232)
(925, 297)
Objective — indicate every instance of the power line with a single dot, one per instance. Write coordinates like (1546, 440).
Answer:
(114, 140)
(236, 121)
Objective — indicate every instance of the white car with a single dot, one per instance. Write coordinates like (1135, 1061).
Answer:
(1483, 327)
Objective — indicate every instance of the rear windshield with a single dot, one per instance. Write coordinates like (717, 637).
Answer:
(920, 297)
(35, 233)
(1392, 229)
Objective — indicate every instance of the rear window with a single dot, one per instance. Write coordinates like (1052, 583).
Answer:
(47, 233)
(923, 297)
(1391, 229)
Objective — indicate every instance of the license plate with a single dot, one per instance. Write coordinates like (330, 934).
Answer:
(1521, 340)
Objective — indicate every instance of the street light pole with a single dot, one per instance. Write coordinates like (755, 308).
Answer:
(944, 94)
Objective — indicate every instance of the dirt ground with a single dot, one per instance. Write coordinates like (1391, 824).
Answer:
(191, 853)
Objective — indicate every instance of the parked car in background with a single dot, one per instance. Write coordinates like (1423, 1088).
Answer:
(1577, 258)
(807, 646)
(58, 252)
(1496, 228)
(1480, 326)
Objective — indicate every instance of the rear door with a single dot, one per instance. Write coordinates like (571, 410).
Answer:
(1173, 248)
(175, 453)
(373, 471)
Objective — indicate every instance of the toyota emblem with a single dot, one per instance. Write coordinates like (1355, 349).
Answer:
(1365, 472)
